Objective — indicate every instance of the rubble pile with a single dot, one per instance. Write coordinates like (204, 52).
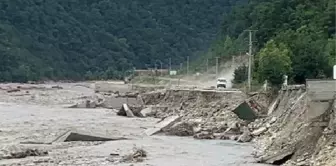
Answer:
(15, 152)
(204, 114)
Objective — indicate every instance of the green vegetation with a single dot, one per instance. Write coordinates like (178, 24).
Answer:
(240, 75)
(101, 39)
(274, 63)
(304, 31)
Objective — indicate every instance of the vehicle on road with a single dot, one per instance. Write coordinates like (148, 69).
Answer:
(221, 83)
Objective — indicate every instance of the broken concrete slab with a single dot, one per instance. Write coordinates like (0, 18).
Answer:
(166, 123)
(70, 136)
(245, 112)
(125, 111)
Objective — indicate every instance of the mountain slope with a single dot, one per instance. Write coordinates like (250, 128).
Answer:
(79, 39)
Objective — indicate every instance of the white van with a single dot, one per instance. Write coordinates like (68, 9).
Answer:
(221, 82)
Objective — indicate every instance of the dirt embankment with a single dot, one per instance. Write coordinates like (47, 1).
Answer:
(298, 130)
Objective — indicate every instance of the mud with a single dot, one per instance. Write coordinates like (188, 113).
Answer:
(44, 118)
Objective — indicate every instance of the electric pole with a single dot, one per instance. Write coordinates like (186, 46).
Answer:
(169, 64)
(170, 70)
(216, 67)
(188, 65)
(250, 60)
(207, 65)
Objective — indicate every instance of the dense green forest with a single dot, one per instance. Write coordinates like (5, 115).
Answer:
(93, 39)
(293, 37)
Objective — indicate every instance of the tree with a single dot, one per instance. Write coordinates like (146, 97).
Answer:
(274, 63)
(240, 75)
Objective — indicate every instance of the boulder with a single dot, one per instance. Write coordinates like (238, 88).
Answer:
(181, 129)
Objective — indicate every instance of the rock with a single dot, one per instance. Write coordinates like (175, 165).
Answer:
(246, 136)
(234, 137)
(181, 129)
(273, 120)
(57, 87)
(259, 131)
(146, 112)
(232, 131)
(138, 155)
(204, 135)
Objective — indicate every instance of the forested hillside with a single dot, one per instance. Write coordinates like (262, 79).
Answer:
(293, 37)
(77, 39)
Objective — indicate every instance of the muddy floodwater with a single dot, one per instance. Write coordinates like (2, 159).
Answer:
(27, 122)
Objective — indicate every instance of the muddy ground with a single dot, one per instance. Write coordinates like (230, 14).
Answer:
(39, 115)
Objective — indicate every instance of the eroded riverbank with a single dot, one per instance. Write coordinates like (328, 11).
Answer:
(30, 121)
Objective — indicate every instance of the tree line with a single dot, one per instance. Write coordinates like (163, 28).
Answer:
(294, 38)
(101, 39)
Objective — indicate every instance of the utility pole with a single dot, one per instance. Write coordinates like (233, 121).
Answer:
(170, 82)
(188, 65)
(216, 67)
(207, 65)
(170, 64)
(250, 60)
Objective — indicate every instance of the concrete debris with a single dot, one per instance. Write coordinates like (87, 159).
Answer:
(259, 131)
(246, 136)
(130, 111)
(71, 136)
(246, 112)
(166, 123)
(16, 151)
(125, 110)
(146, 112)
(137, 155)
(136, 110)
